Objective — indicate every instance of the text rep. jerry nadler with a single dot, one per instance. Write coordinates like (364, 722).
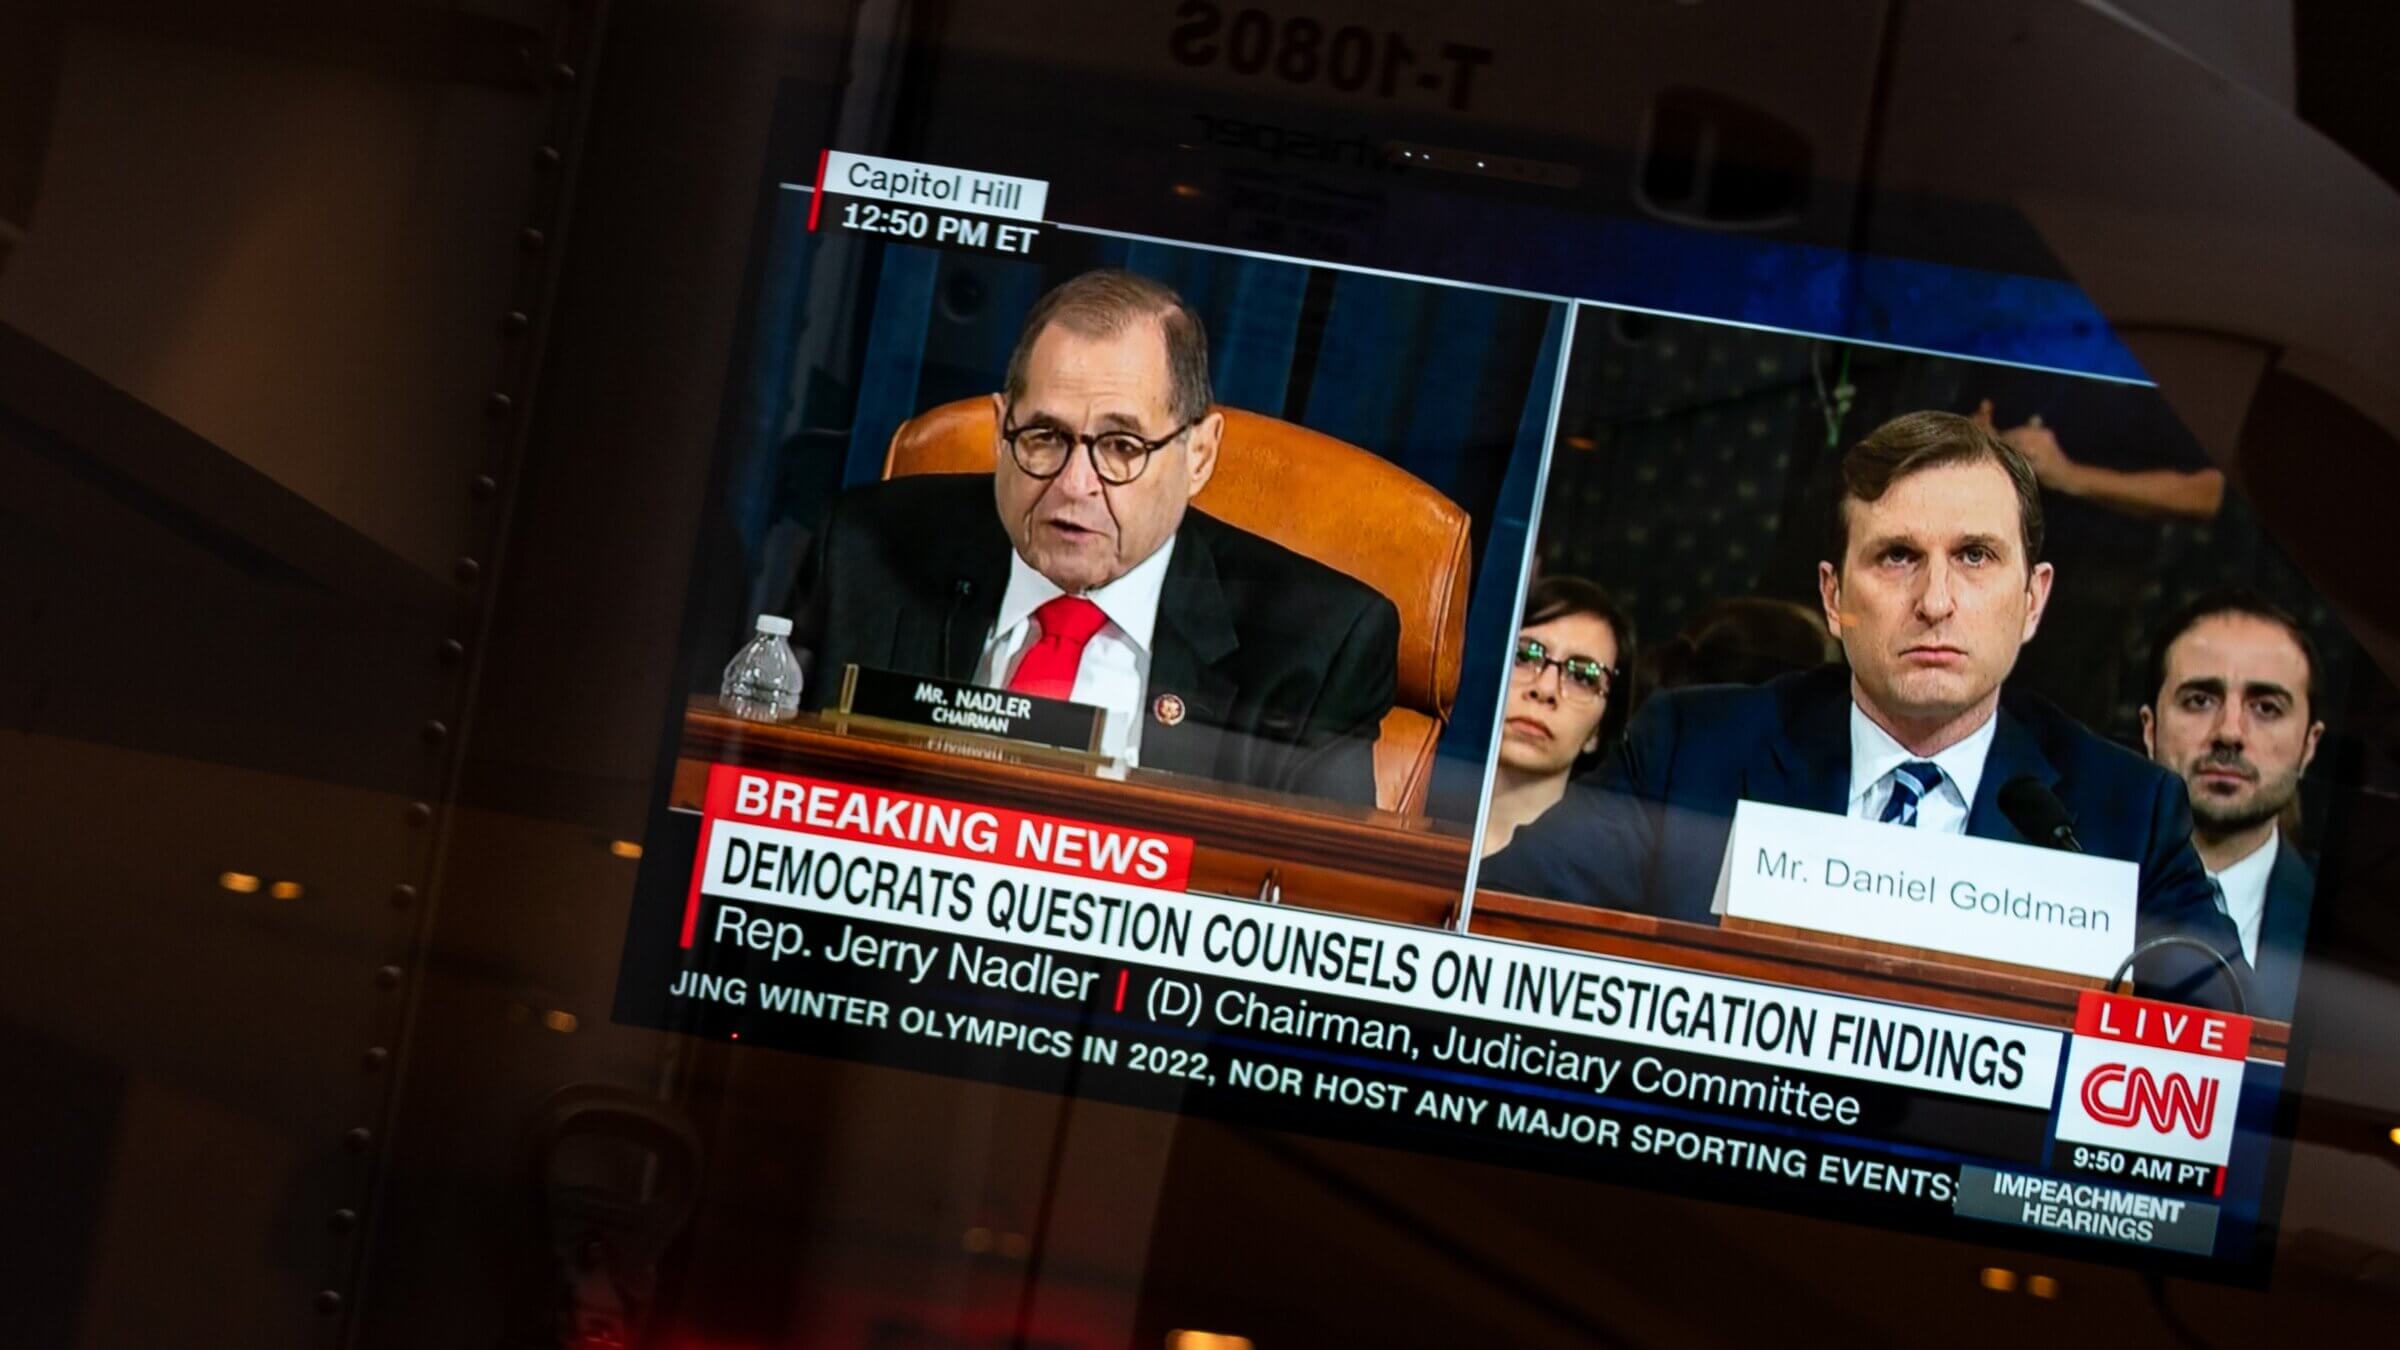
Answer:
(1938, 581)
(1078, 569)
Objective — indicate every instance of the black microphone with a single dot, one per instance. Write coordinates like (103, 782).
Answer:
(961, 591)
(2038, 814)
(2041, 817)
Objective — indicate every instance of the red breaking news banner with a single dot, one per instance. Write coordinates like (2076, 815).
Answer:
(2162, 1026)
(991, 834)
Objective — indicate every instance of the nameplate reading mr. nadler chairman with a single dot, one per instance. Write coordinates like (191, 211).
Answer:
(947, 705)
(2027, 906)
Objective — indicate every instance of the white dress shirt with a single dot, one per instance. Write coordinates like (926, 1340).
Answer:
(2244, 887)
(1874, 755)
(1114, 674)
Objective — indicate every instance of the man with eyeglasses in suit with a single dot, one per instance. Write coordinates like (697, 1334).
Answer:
(1077, 570)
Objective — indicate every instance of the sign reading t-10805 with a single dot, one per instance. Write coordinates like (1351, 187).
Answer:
(928, 204)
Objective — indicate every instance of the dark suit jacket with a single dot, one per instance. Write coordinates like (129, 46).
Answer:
(2283, 931)
(1649, 834)
(1285, 666)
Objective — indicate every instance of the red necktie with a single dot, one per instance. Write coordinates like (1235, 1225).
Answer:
(1048, 670)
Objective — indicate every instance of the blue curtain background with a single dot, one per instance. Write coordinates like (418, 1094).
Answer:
(1451, 384)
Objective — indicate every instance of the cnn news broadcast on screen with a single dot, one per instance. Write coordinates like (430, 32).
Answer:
(1318, 635)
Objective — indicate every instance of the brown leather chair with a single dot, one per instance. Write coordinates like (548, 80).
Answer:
(1350, 510)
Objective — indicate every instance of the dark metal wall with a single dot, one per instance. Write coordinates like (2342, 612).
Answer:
(275, 294)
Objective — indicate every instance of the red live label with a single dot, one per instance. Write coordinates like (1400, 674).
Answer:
(2165, 1026)
(954, 829)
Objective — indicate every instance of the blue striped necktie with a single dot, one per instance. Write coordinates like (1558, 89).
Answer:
(1910, 784)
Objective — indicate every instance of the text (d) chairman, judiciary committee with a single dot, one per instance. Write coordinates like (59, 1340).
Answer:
(1077, 568)
(1936, 582)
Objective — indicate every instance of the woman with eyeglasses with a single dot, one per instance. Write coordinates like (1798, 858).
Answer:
(1566, 701)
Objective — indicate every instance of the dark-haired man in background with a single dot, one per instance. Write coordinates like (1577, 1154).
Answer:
(2232, 709)
(1076, 569)
(1936, 582)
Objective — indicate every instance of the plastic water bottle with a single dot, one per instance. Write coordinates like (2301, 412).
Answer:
(762, 681)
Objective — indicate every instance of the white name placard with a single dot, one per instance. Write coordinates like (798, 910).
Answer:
(1953, 893)
(900, 180)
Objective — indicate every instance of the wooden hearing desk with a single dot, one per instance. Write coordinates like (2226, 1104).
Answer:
(1374, 864)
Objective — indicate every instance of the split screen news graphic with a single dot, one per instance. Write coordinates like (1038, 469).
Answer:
(1354, 697)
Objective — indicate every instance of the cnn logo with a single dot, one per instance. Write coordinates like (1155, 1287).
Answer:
(2128, 1096)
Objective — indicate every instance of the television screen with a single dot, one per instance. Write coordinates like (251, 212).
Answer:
(1342, 633)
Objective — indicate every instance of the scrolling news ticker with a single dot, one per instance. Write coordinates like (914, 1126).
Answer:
(1069, 956)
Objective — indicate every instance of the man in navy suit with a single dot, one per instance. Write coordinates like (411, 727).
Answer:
(2232, 710)
(1939, 581)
